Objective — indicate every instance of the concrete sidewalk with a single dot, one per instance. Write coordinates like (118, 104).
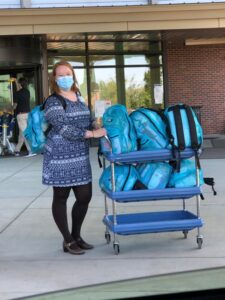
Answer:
(31, 256)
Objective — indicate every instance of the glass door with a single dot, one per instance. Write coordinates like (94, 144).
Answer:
(6, 93)
(8, 87)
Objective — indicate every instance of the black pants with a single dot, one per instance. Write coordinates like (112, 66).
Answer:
(83, 194)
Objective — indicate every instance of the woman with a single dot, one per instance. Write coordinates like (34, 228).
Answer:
(66, 164)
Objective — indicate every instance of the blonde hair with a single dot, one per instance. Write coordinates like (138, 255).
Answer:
(54, 86)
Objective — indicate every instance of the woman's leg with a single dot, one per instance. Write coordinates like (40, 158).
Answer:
(83, 194)
(22, 125)
(59, 211)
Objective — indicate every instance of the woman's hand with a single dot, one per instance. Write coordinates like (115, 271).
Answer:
(97, 133)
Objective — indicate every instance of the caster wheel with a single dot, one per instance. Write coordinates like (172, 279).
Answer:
(185, 232)
(199, 241)
(108, 237)
(116, 248)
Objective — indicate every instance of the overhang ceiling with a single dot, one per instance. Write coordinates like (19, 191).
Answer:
(75, 41)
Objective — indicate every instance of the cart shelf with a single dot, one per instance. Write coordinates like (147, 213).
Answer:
(153, 194)
(146, 156)
(164, 221)
(147, 222)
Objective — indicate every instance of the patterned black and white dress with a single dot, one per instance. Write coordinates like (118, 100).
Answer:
(66, 153)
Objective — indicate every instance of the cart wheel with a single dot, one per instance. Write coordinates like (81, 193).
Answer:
(116, 248)
(185, 232)
(108, 237)
(199, 241)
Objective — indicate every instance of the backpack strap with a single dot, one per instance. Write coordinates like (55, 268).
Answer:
(179, 127)
(180, 135)
(210, 181)
(193, 133)
(168, 131)
(59, 97)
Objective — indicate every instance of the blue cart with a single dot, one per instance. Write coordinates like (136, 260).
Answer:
(149, 222)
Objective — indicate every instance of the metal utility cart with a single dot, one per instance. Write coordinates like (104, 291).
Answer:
(149, 222)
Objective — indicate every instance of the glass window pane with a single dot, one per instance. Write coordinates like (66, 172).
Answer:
(102, 60)
(101, 46)
(139, 46)
(140, 86)
(101, 37)
(136, 46)
(103, 86)
(5, 93)
(135, 60)
(75, 61)
(66, 46)
(82, 82)
(65, 36)
(150, 36)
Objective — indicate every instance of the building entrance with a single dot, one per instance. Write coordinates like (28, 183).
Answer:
(8, 86)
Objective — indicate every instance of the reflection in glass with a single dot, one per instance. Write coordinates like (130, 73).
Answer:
(134, 46)
(65, 36)
(65, 47)
(103, 85)
(75, 61)
(135, 60)
(5, 92)
(101, 46)
(124, 68)
(31, 88)
(81, 77)
(140, 84)
(102, 60)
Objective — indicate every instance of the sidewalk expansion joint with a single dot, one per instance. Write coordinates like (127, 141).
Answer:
(22, 211)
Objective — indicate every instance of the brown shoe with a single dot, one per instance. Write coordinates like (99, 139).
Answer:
(72, 248)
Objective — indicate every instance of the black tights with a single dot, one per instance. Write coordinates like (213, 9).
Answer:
(83, 194)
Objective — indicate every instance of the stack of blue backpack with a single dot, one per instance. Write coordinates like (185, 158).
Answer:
(176, 128)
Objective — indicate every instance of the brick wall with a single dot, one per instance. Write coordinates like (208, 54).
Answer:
(196, 75)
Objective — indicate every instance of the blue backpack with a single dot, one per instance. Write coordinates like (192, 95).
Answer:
(155, 175)
(187, 175)
(150, 129)
(184, 130)
(184, 127)
(37, 127)
(120, 131)
(126, 177)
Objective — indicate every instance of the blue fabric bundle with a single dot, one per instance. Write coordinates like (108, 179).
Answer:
(150, 129)
(120, 130)
(155, 175)
(187, 175)
(125, 178)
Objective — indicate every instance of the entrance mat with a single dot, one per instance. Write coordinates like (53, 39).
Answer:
(218, 143)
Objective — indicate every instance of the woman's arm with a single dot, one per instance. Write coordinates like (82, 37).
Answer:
(55, 115)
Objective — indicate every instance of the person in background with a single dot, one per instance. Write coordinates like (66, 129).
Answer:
(66, 163)
(22, 108)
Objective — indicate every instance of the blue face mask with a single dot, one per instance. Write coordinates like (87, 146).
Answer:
(65, 82)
